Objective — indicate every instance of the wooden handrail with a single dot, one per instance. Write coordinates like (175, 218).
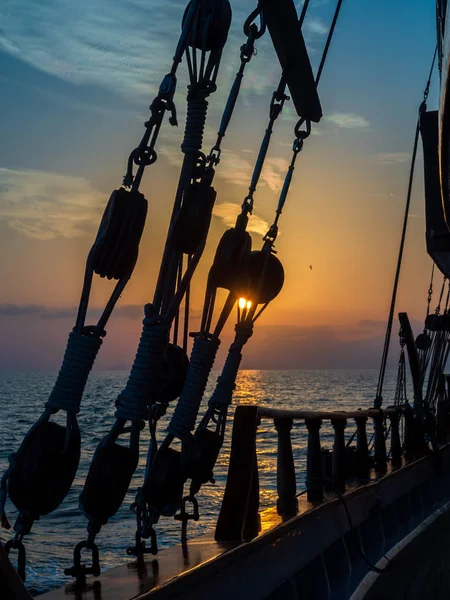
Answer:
(266, 412)
(238, 519)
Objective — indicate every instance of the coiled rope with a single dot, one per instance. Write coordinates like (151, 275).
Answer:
(226, 382)
(142, 385)
(201, 362)
(78, 361)
(197, 108)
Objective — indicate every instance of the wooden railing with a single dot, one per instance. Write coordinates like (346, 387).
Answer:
(239, 517)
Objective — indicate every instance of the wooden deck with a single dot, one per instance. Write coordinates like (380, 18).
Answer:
(133, 579)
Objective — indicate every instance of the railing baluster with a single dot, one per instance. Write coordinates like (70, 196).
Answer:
(362, 448)
(396, 446)
(338, 459)
(314, 483)
(286, 485)
(238, 517)
(380, 444)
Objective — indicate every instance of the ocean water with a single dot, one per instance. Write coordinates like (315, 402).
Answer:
(51, 543)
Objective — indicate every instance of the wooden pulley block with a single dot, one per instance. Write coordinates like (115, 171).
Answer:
(264, 277)
(108, 481)
(194, 218)
(211, 26)
(207, 445)
(44, 468)
(115, 250)
(423, 341)
(164, 489)
(176, 364)
(281, 19)
(230, 259)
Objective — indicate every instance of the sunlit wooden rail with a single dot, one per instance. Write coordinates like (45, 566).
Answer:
(238, 519)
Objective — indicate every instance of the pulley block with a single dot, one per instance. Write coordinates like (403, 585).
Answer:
(44, 467)
(164, 488)
(264, 277)
(230, 259)
(108, 480)
(176, 364)
(210, 29)
(115, 250)
(207, 445)
(192, 224)
(423, 341)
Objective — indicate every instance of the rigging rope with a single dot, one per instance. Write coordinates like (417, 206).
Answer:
(379, 394)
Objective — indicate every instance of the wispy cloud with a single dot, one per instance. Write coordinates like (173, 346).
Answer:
(274, 172)
(123, 46)
(18, 310)
(390, 158)
(347, 121)
(127, 311)
(46, 205)
(314, 26)
(228, 211)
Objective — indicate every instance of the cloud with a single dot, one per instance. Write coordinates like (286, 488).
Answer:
(228, 211)
(127, 311)
(46, 205)
(390, 158)
(347, 121)
(274, 173)
(236, 168)
(314, 26)
(16, 310)
(124, 46)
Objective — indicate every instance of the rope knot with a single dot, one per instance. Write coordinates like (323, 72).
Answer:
(201, 362)
(79, 357)
(142, 387)
(195, 120)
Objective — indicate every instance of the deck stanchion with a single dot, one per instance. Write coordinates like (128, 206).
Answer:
(362, 448)
(380, 444)
(396, 446)
(286, 485)
(313, 482)
(338, 458)
(238, 518)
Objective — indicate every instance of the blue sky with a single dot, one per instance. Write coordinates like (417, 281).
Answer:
(77, 79)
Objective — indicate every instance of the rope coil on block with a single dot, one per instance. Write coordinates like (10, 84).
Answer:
(201, 362)
(132, 403)
(226, 382)
(79, 358)
(197, 109)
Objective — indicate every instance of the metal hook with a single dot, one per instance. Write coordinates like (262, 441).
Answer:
(251, 28)
(303, 133)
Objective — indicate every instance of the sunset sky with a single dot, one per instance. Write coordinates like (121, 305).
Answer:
(76, 81)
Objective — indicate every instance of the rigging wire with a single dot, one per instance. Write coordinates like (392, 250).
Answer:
(379, 395)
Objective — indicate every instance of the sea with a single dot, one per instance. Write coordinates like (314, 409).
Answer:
(51, 542)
